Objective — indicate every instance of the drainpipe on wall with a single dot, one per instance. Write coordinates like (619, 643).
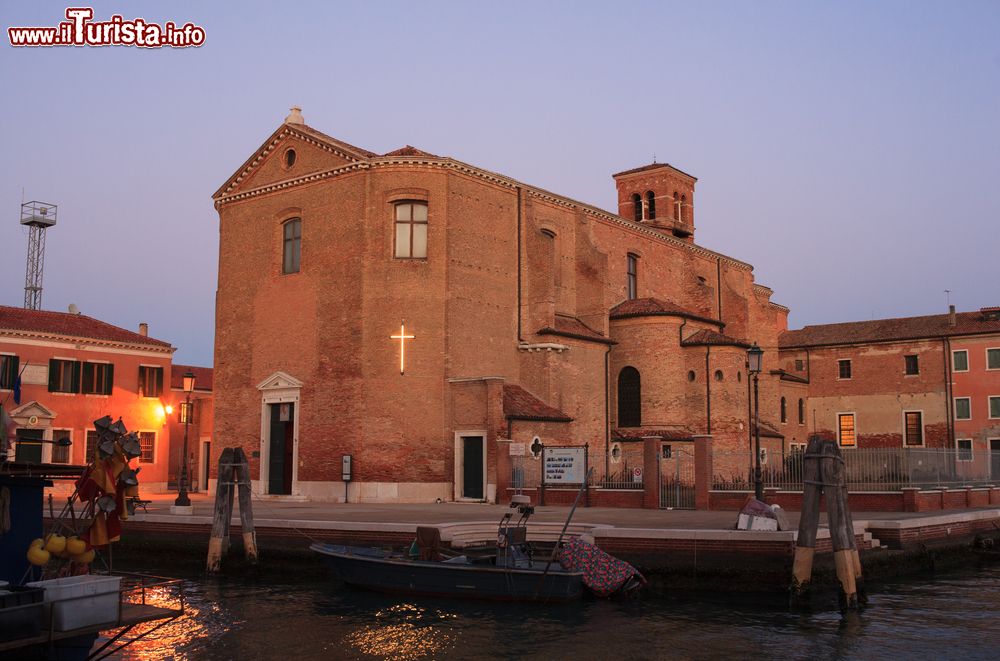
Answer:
(949, 402)
(607, 411)
(708, 394)
(520, 338)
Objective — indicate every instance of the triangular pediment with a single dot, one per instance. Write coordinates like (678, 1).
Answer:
(279, 380)
(314, 152)
(31, 409)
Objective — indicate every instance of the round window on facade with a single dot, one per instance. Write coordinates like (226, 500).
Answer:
(718, 375)
(691, 375)
(289, 158)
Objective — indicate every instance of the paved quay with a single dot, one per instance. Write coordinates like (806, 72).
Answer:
(266, 510)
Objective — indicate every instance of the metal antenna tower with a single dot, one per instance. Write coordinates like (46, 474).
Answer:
(38, 216)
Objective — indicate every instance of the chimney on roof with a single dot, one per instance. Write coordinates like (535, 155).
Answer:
(951, 315)
(143, 329)
(73, 309)
(295, 117)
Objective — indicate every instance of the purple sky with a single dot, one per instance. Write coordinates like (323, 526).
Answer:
(850, 151)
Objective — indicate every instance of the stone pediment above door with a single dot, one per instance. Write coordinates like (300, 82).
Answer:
(32, 410)
(279, 381)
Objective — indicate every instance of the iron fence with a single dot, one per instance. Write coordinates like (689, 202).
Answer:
(867, 469)
(617, 471)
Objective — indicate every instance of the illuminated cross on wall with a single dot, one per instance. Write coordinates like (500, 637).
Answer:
(402, 337)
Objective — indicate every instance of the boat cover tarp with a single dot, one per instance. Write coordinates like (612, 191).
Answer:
(602, 573)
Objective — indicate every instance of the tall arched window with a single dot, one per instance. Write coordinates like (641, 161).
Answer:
(411, 230)
(291, 245)
(680, 208)
(632, 276)
(629, 398)
(637, 207)
(650, 205)
(677, 206)
(802, 412)
(784, 410)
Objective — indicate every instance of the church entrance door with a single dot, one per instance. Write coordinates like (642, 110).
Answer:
(472, 467)
(280, 445)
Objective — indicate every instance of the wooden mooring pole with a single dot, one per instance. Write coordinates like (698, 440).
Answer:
(823, 473)
(234, 473)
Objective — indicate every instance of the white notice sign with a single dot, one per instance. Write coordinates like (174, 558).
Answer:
(564, 465)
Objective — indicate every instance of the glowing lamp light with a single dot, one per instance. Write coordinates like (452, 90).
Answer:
(188, 381)
(168, 409)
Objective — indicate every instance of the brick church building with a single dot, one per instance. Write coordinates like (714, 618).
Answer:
(418, 313)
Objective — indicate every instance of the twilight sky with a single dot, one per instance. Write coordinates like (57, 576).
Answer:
(850, 151)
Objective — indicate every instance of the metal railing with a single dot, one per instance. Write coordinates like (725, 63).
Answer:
(526, 471)
(868, 469)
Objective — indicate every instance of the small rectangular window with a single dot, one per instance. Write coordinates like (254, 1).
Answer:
(633, 276)
(914, 428)
(64, 375)
(964, 449)
(799, 365)
(995, 407)
(91, 447)
(60, 453)
(845, 430)
(993, 359)
(912, 365)
(150, 381)
(147, 443)
(9, 369)
(98, 378)
(963, 408)
(960, 360)
(844, 367)
(411, 230)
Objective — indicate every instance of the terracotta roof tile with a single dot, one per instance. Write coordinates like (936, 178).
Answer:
(202, 376)
(652, 307)
(653, 166)
(520, 404)
(707, 337)
(68, 324)
(638, 433)
(330, 140)
(569, 326)
(884, 330)
(409, 150)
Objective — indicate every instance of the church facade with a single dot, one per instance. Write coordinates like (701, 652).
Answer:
(417, 314)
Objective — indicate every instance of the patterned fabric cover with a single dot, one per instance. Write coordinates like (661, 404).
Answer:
(602, 573)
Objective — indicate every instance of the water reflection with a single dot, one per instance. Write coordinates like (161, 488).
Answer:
(953, 616)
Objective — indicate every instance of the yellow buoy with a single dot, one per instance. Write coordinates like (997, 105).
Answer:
(75, 545)
(55, 544)
(84, 558)
(38, 556)
(37, 542)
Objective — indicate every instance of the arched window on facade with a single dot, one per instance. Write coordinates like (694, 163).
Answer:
(680, 208)
(291, 248)
(632, 276)
(802, 412)
(629, 398)
(637, 205)
(677, 206)
(784, 410)
(650, 205)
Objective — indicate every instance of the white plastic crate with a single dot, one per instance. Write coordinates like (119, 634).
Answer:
(80, 601)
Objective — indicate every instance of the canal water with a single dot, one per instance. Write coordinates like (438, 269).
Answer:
(953, 615)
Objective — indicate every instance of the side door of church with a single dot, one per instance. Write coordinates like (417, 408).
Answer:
(27, 451)
(472, 467)
(279, 476)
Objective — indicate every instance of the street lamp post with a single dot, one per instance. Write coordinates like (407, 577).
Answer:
(754, 355)
(182, 499)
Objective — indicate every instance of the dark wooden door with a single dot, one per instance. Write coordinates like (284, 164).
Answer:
(472, 467)
(279, 478)
(206, 452)
(995, 458)
(27, 451)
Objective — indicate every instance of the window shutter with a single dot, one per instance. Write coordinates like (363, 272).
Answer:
(159, 381)
(76, 377)
(109, 379)
(53, 372)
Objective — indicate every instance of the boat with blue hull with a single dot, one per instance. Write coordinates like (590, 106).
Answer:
(505, 576)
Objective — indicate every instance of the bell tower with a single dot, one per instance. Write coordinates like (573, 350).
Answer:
(658, 196)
